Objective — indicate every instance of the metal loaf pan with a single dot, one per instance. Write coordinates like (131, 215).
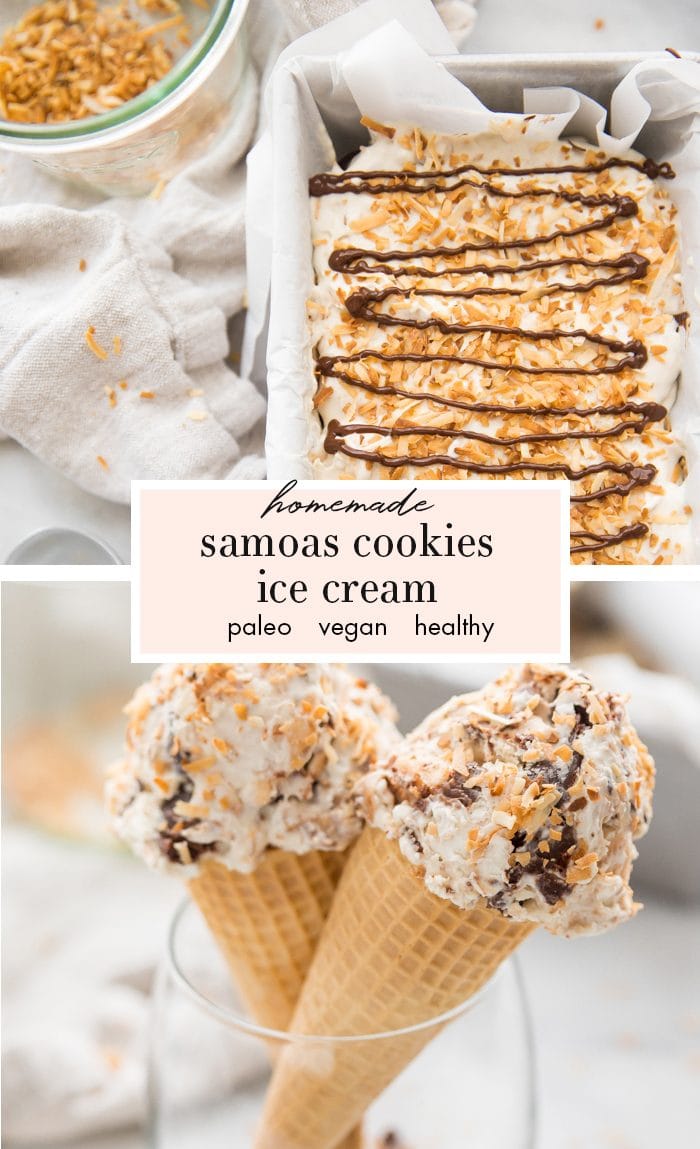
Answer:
(498, 80)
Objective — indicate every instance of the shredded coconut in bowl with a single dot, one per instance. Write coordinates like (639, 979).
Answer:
(69, 59)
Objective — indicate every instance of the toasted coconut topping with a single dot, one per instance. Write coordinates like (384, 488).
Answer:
(501, 306)
(233, 760)
(528, 794)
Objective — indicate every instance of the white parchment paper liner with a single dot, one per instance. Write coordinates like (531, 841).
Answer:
(314, 104)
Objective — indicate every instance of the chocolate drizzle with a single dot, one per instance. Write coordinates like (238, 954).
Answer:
(172, 830)
(634, 354)
(606, 210)
(637, 476)
(358, 182)
(595, 541)
(549, 867)
(455, 789)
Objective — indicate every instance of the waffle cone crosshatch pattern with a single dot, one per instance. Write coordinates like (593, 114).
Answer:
(349, 575)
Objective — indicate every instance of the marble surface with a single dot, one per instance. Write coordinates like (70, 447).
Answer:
(585, 26)
(33, 496)
(618, 1066)
(617, 1030)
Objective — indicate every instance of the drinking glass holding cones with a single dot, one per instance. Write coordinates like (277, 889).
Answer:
(471, 1084)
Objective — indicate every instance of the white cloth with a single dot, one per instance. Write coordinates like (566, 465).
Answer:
(88, 931)
(458, 16)
(305, 15)
(163, 276)
(183, 407)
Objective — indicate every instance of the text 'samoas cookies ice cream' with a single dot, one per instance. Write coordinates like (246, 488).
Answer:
(240, 779)
(513, 807)
(504, 306)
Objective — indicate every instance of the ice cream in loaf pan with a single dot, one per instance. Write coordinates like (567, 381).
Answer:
(504, 306)
(226, 762)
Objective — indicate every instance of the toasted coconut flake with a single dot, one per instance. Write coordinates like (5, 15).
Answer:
(97, 349)
(68, 59)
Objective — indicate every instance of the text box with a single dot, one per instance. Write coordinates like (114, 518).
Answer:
(450, 571)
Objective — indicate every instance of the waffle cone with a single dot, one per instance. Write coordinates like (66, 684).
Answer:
(392, 955)
(267, 924)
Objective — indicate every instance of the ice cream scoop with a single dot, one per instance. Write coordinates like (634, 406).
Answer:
(240, 780)
(230, 761)
(528, 794)
(506, 809)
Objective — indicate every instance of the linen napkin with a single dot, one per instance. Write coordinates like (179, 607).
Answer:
(88, 931)
(113, 325)
(305, 15)
(114, 312)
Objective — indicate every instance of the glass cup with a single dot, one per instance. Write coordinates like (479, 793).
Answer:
(471, 1086)
(144, 142)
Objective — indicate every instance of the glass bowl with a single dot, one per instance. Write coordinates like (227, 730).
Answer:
(209, 1066)
(62, 545)
(136, 147)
